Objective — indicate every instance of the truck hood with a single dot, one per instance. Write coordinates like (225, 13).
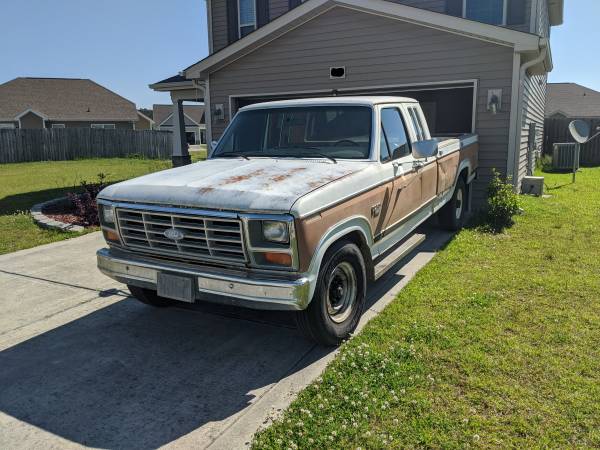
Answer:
(262, 184)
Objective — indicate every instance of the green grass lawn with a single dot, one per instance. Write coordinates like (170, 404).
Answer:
(495, 344)
(25, 184)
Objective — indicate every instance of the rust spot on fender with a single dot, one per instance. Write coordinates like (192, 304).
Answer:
(205, 190)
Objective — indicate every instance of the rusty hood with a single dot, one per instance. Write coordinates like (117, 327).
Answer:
(259, 184)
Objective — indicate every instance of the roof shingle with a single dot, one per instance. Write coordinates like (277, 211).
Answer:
(572, 100)
(64, 99)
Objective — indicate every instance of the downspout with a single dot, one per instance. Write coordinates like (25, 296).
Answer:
(522, 74)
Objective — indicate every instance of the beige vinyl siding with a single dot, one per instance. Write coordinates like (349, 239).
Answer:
(278, 8)
(376, 52)
(432, 5)
(534, 105)
(543, 19)
(30, 121)
(219, 24)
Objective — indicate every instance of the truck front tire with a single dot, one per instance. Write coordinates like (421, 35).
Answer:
(338, 302)
(452, 215)
(149, 297)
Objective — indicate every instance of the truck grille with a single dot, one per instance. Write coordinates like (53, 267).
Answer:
(204, 238)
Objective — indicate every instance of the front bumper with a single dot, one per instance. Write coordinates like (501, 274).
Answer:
(256, 291)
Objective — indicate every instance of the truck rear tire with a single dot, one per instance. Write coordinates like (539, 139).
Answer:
(452, 215)
(338, 302)
(149, 297)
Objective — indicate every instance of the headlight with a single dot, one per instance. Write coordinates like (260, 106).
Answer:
(276, 231)
(108, 215)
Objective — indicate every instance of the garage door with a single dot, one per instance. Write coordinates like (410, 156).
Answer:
(449, 108)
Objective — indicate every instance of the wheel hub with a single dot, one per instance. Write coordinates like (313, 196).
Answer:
(341, 292)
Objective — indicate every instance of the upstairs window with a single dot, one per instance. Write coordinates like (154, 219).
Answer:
(494, 12)
(246, 17)
(487, 11)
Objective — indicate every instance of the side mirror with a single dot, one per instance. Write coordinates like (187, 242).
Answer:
(425, 149)
(580, 130)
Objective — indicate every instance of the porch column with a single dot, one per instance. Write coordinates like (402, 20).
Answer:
(181, 155)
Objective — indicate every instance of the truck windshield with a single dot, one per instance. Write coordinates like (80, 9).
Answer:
(316, 131)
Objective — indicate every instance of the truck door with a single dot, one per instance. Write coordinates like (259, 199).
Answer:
(406, 192)
(429, 168)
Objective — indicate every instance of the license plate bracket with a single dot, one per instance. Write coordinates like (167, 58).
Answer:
(175, 287)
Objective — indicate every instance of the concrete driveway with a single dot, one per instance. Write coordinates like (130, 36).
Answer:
(81, 364)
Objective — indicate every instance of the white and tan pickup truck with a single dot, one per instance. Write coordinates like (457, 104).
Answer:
(300, 206)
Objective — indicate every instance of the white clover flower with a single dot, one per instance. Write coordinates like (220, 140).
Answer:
(321, 406)
(396, 421)
(476, 437)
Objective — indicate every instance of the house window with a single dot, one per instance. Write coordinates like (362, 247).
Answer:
(58, 125)
(488, 11)
(7, 126)
(105, 126)
(246, 16)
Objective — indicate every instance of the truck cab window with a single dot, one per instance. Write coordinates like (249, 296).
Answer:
(395, 132)
(384, 152)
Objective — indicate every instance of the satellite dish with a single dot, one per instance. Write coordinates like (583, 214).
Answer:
(580, 130)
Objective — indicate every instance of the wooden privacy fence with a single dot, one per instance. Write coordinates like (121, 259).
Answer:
(60, 144)
(557, 132)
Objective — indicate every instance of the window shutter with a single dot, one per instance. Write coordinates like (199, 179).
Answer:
(294, 3)
(233, 32)
(454, 7)
(516, 12)
(262, 13)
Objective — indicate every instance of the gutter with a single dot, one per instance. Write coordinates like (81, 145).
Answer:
(514, 160)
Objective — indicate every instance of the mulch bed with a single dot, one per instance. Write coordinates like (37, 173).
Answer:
(63, 212)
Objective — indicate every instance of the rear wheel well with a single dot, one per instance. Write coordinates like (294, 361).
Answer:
(464, 174)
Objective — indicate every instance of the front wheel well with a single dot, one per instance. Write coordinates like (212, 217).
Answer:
(357, 238)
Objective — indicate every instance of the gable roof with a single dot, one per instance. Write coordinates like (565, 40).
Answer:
(194, 114)
(572, 100)
(527, 44)
(63, 99)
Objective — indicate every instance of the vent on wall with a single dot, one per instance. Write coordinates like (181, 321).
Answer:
(337, 72)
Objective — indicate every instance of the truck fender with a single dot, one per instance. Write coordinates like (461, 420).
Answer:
(332, 235)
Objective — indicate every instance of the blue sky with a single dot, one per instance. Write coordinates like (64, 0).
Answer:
(127, 44)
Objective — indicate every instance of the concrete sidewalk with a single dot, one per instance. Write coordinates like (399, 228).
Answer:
(81, 364)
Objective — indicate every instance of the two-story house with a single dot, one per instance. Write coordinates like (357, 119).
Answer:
(477, 66)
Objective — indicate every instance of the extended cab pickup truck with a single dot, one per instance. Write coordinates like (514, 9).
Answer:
(301, 204)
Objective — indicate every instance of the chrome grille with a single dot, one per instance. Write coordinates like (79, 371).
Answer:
(205, 238)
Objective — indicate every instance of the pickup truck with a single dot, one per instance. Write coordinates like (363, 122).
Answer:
(300, 205)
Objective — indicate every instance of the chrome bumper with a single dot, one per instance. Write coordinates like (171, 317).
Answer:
(238, 289)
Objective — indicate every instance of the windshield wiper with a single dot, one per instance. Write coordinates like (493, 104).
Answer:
(321, 155)
(232, 154)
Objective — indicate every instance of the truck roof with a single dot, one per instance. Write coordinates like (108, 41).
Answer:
(357, 100)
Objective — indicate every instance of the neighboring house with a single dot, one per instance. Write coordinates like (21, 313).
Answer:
(572, 101)
(476, 65)
(195, 127)
(66, 103)
(567, 102)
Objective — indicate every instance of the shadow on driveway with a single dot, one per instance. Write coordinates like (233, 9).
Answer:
(136, 377)
(131, 376)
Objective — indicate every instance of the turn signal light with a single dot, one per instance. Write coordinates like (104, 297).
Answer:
(279, 259)
(111, 236)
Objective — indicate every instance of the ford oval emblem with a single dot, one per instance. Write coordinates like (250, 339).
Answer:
(174, 234)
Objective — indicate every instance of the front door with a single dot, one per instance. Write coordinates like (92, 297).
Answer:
(395, 149)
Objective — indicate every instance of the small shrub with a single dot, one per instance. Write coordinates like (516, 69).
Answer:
(502, 204)
(545, 163)
(85, 203)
